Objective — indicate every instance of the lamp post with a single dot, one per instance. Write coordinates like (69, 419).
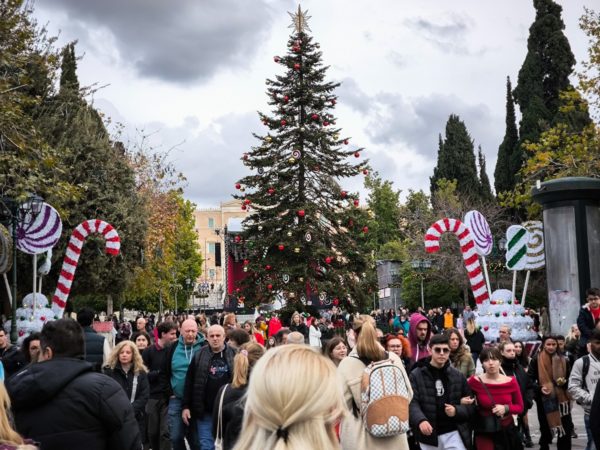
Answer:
(158, 255)
(497, 253)
(188, 283)
(421, 265)
(17, 212)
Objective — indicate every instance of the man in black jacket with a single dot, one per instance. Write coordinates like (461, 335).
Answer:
(63, 404)
(441, 406)
(97, 348)
(589, 314)
(157, 406)
(11, 358)
(211, 368)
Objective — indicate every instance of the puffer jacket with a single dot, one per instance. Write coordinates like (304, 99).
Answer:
(197, 375)
(64, 405)
(423, 404)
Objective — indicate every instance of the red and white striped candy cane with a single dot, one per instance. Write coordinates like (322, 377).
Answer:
(467, 247)
(67, 272)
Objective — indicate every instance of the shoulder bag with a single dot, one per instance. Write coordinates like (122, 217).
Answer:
(487, 424)
(219, 438)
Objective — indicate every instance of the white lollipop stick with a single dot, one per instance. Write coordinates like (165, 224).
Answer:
(34, 280)
(485, 273)
(514, 285)
(525, 288)
(8, 293)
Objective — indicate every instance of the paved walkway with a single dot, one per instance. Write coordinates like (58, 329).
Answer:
(577, 444)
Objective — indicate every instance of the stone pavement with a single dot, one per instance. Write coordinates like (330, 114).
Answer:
(577, 444)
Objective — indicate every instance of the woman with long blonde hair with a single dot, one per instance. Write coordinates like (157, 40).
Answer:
(368, 349)
(9, 438)
(126, 367)
(232, 411)
(294, 402)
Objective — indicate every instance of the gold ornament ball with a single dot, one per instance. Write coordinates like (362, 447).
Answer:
(289, 233)
(301, 279)
(296, 249)
(336, 136)
(268, 139)
(245, 269)
(292, 160)
(260, 227)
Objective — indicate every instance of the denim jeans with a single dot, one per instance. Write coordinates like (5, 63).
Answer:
(590, 440)
(205, 436)
(178, 430)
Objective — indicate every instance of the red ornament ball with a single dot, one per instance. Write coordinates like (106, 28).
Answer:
(238, 290)
(244, 207)
(350, 223)
(237, 238)
(486, 328)
(245, 156)
(365, 229)
(315, 117)
(505, 314)
(295, 48)
(246, 262)
(286, 98)
(355, 202)
(365, 172)
(296, 66)
(346, 141)
(271, 191)
(281, 247)
(276, 59)
(269, 286)
(356, 154)
(333, 101)
(336, 301)
(343, 194)
(328, 260)
(247, 201)
(267, 267)
(325, 124)
(301, 213)
(283, 122)
(238, 186)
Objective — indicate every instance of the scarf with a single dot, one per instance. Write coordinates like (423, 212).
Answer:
(552, 371)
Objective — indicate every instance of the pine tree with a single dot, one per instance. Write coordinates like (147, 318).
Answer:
(504, 177)
(456, 160)
(304, 234)
(486, 189)
(542, 77)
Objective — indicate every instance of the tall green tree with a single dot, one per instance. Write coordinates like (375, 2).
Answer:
(486, 194)
(504, 175)
(384, 206)
(305, 234)
(456, 160)
(542, 77)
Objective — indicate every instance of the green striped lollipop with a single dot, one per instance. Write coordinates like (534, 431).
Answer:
(6, 250)
(517, 238)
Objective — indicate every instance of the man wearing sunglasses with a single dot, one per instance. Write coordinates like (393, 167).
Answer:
(437, 417)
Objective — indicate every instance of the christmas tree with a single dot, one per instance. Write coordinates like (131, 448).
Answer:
(304, 236)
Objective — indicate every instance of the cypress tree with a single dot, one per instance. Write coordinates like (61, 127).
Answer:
(543, 76)
(486, 188)
(456, 159)
(68, 69)
(504, 177)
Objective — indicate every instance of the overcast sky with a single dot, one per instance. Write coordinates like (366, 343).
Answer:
(192, 73)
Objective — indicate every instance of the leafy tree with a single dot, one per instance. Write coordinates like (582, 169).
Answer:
(384, 205)
(486, 189)
(504, 174)
(589, 77)
(456, 159)
(542, 77)
(305, 234)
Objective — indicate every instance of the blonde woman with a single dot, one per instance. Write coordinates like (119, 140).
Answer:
(232, 411)
(353, 433)
(294, 401)
(126, 367)
(9, 438)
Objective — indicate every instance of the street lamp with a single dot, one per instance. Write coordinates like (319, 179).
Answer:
(188, 282)
(421, 265)
(17, 212)
(158, 254)
(497, 252)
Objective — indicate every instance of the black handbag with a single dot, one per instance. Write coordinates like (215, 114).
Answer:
(487, 424)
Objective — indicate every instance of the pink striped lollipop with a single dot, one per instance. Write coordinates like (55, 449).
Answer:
(482, 235)
(38, 235)
(467, 247)
(67, 272)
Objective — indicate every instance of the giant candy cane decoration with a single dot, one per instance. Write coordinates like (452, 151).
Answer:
(67, 272)
(467, 247)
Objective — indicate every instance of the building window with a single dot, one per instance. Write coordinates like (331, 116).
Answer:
(210, 248)
(211, 222)
(212, 273)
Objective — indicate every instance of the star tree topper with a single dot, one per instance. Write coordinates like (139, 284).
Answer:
(299, 20)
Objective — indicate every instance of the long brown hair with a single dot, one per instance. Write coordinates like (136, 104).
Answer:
(367, 344)
(244, 361)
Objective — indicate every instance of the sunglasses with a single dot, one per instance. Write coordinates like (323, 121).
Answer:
(441, 350)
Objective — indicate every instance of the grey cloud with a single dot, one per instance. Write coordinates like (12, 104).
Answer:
(178, 42)
(351, 94)
(397, 59)
(449, 36)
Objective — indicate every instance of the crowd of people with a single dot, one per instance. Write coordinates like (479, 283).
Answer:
(405, 380)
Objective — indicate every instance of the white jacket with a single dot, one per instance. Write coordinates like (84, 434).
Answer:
(314, 337)
(584, 396)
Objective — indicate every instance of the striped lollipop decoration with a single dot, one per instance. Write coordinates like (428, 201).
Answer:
(36, 235)
(517, 238)
(67, 272)
(482, 235)
(467, 248)
(536, 258)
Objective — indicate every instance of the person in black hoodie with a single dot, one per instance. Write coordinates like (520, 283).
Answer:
(157, 425)
(232, 411)
(126, 367)
(441, 405)
(513, 368)
(63, 404)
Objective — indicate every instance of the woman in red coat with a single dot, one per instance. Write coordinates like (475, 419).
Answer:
(499, 395)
